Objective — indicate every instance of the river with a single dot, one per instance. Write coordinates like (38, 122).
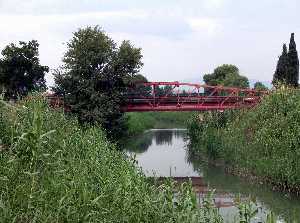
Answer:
(163, 153)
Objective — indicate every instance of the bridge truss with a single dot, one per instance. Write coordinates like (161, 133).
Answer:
(176, 96)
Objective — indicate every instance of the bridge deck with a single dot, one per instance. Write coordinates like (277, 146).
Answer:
(146, 97)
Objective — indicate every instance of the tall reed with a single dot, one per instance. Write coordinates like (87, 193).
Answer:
(53, 170)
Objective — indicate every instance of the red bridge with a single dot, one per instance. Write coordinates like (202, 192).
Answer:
(176, 96)
(189, 97)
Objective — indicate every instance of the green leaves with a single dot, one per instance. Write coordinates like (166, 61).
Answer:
(287, 69)
(95, 76)
(72, 174)
(260, 86)
(226, 75)
(263, 141)
(20, 70)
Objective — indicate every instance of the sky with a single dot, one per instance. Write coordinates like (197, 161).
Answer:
(180, 39)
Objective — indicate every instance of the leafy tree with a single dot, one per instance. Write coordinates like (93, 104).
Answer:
(161, 91)
(136, 87)
(235, 80)
(94, 78)
(260, 86)
(293, 70)
(226, 75)
(20, 70)
(281, 72)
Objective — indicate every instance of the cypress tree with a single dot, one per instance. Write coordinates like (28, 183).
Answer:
(293, 70)
(281, 72)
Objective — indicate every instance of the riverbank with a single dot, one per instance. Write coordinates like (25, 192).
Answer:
(163, 153)
(138, 122)
(53, 170)
(262, 142)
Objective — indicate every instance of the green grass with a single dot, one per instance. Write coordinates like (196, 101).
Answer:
(138, 122)
(53, 170)
(264, 141)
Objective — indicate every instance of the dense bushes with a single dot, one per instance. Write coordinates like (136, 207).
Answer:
(54, 171)
(205, 131)
(265, 141)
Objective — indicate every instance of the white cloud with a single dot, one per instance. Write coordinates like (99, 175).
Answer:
(180, 39)
(214, 4)
(209, 25)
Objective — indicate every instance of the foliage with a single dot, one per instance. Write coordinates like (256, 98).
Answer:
(95, 76)
(20, 70)
(208, 205)
(264, 141)
(293, 70)
(206, 130)
(137, 89)
(226, 75)
(281, 71)
(247, 210)
(161, 91)
(55, 171)
(287, 69)
(260, 86)
(138, 122)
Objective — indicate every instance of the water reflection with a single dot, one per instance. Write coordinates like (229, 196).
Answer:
(165, 153)
(162, 153)
(158, 137)
(283, 205)
(163, 137)
(140, 144)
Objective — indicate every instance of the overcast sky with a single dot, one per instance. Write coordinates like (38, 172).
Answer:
(180, 39)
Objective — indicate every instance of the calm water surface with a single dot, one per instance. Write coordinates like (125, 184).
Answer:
(163, 153)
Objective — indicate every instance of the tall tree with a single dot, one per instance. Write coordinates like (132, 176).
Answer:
(20, 70)
(94, 78)
(293, 70)
(287, 69)
(227, 75)
(281, 72)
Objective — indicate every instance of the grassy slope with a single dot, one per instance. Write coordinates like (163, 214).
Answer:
(141, 121)
(54, 171)
(264, 141)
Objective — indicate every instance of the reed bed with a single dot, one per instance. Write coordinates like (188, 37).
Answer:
(54, 170)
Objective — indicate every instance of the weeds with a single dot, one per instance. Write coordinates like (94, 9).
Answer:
(263, 142)
(55, 171)
(248, 210)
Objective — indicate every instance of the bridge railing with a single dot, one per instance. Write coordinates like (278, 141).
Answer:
(176, 96)
(168, 96)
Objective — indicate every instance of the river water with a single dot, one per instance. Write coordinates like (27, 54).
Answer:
(163, 153)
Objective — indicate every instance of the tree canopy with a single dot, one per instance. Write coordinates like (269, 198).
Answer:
(260, 86)
(287, 69)
(293, 70)
(94, 77)
(136, 86)
(281, 71)
(226, 75)
(20, 70)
